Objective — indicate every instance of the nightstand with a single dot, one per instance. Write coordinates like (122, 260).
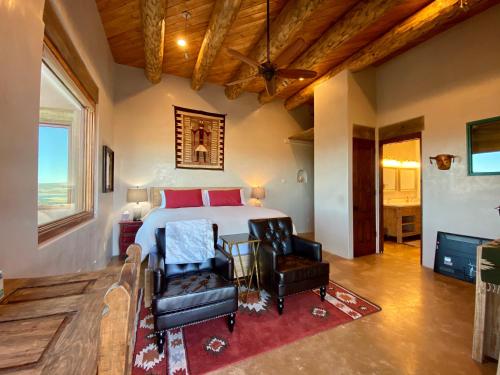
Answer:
(128, 230)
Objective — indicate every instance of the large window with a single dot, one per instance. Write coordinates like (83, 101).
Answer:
(65, 151)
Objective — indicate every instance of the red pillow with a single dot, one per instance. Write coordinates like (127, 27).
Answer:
(183, 198)
(225, 197)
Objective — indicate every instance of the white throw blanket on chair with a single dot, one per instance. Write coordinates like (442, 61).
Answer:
(189, 241)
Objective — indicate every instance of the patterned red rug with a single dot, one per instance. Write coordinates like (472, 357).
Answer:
(207, 346)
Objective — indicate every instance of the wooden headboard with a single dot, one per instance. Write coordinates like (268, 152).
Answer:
(155, 197)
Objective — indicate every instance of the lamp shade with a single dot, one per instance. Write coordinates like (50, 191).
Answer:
(137, 195)
(258, 192)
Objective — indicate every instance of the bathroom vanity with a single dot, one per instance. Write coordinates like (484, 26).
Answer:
(402, 220)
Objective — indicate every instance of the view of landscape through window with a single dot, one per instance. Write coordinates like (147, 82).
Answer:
(60, 156)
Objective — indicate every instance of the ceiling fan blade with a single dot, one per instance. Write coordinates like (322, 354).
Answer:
(290, 53)
(271, 86)
(242, 57)
(296, 73)
(241, 80)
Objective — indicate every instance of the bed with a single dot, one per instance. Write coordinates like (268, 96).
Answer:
(230, 220)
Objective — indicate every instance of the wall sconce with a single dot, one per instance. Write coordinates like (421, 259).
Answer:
(258, 193)
(302, 176)
(137, 195)
(443, 161)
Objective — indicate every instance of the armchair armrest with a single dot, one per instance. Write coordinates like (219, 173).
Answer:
(307, 248)
(223, 263)
(159, 282)
(268, 257)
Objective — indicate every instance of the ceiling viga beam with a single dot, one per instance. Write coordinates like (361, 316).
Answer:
(352, 23)
(153, 29)
(221, 19)
(283, 29)
(410, 30)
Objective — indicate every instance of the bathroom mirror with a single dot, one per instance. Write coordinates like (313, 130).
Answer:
(483, 146)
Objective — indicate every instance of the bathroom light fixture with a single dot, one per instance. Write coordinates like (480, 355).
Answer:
(391, 163)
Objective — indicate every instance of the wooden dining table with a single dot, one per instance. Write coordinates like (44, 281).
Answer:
(50, 325)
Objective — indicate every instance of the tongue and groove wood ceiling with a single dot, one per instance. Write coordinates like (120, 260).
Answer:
(338, 34)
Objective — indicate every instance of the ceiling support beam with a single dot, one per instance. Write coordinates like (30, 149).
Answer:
(221, 19)
(283, 31)
(410, 30)
(352, 23)
(153, 26)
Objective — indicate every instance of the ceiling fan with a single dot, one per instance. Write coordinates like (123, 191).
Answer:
(270, 70)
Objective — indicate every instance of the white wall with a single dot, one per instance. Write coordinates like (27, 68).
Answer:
(255, 150)
(332, 155)
(451, 79)
(21, 34)
(343, 101)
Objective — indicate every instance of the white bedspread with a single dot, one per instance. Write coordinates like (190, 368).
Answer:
(230, 220)
(189, 241)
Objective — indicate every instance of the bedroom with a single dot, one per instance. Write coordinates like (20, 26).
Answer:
(135, 118)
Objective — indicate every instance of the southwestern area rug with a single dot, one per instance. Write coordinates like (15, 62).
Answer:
(207, 346)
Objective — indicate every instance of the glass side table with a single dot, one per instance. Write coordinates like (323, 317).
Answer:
(231, 244)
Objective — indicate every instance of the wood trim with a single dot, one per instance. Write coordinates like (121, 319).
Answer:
(221, 19)
(363, 132)
(153, 30)
(55, 228)
(381, 143)
(408, 128)
(435, 15)
(60, 44)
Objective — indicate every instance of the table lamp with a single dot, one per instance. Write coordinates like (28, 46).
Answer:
(258, 193)
(137, 195)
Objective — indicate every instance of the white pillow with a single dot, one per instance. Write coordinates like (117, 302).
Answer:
(206, 198)
(163, 199)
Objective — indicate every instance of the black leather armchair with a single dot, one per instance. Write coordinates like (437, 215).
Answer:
(184, 294)
(288, 264)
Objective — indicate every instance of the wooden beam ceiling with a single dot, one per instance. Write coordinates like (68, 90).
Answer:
(421, 23)
(153, 25)
(338, 34)
(283, 31)
(221, 19)
(360, 17)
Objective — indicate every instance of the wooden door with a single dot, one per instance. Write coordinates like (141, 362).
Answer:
(363, 186)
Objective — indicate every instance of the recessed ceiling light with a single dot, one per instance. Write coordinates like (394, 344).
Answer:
(181, 42)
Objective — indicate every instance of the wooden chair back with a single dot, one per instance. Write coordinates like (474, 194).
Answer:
(119, 318)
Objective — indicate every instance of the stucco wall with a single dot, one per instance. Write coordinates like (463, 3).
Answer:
(255, 149)
(21, 34)
(450, 80)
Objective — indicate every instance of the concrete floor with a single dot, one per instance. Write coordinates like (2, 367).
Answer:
(425, 326)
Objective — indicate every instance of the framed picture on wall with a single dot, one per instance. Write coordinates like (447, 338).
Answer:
(390, 179)
(108, 170)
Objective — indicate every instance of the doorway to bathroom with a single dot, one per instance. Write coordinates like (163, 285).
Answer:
(400, 198)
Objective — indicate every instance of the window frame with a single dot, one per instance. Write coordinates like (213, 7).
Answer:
(53, 60)
(469, 126)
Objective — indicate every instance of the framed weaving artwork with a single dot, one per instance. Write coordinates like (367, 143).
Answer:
(199, 139)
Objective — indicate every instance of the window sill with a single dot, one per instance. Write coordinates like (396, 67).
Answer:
(58, 228)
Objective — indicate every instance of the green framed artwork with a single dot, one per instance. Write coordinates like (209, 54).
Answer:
(483, 147)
